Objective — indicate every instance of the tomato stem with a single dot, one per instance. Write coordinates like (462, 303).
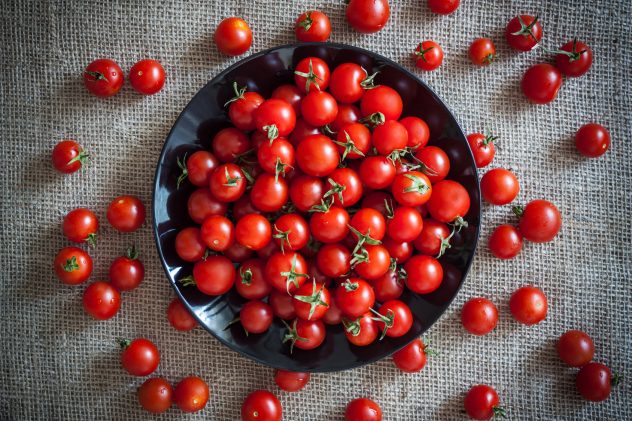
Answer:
(187, 281)
(71, 264)
(230, 181)
(352, 326)
(388, 320)
(132, 253)
(422, 52)
(307, 21)
(617, 378)
(185, 173)
(323, 207)
(91, 239)
(239, 93)
(363, 238)
(518, 210)
(292, 335)
(349, 146)
(284, 236)
(499, 412)
(368, 82)
(418, 186)
(373, 120)
(336, 189)
(272, 131)
(96, 76)
(526, 29)
(313, 300)
(124, 343)
(246, 275)
(310, 77)
(292, 275)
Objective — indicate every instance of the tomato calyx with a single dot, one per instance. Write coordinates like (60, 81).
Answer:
(421, 52)
(359, 256)
(183, 167)
(349, 146)
(279, 168)
(373, 120)
(239, 93)
(272, 130)
(525, 30)
(457, 224)
(336, 188)
(368, 82)
(363, 238)
(310, 77)
(292, 275)
(323, 207)
(388, 320)
(187, 281)
(284, 236)
(489, 58)
(124, 343)
(328, 131)
(131, 253)
(96, 76)
(445, 243)
(231, 181)
(81, 157)
(499, 412)
(418, 185)
(70, 265)
(249, 178)
(572, 55)
(313, 300)
(518, 210)
(313, 245)
(91, 239)
(306, 22)
(617, 379)
(242, 159)
(292, 335)
(353, 327)
(490, 138)
(429, 351)
(246, 276)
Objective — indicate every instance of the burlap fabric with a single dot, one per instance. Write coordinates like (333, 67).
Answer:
(56, 363)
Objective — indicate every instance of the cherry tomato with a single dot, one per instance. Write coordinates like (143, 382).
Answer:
(269, 193)
(319, 108)
(333, 316)
(361, 331)
(575, 348)
(434, 238)
(435, 161)
(404, 225)
(291, 381)
(127, 272)
(348, 82)
(238, 253)
(189, 245)
(411, 358)
(275, 117)
(363, 409)
(126, 213)
(396, 318)
(574, 58)
(388, 286)
(147, 76)
(449, 201)
(191, 394)
(540, 221)
(528, 305)
(179, 317)
(312, 26)
(594, 382)
(250, 281)
(230, 143)
(317, 155)
(228, 183)
(286, 271)
(291, 232)
(253, 231)
(354, 297)
(592, 140)
(218, 232)
(103, 77)
(354, 141)
(368, 222)
(242, 106)
(306, 191)
(256, 316)
(377, 172)
(334, 260)
(261, 405)
(233, 36)
(347, 114)
(481, 403)
(443, 7)
(202, 204)
(424, 274)
(389, 136)
(243, 207)
(412, 188)
(305, 334)
(101, 300)
(73, 265)
(499, 186)
(378, 200)
(281, 303)
(140, 357)
(482, 51)
(68, 156)
(373, 262)
(290, 94)
(81, 225)
(541, 83)
(523, 32)
(505, 242)
(312, 75)
(311, 301)
(428, 55)
(368, 16)
(198, 169)
(418, 131)
(330, 225)
(155, 395)
(479, 316)
(382, 99)
(482, 148)
(213, 276)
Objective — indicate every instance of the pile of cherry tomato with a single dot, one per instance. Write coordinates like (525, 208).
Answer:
(320, 203)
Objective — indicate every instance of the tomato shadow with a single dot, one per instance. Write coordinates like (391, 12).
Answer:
(450, 409)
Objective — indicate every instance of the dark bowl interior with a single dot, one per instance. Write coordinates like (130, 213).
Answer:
(205, 115)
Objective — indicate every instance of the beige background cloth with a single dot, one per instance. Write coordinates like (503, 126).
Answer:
(57, 363)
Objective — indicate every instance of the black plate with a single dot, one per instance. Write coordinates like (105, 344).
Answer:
(205, 115)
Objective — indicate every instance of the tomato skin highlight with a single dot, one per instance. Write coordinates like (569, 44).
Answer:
(140, 357)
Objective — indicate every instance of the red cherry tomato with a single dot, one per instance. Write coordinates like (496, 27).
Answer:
(368, 222)
(147, 76)
(418, 131)
(230, 143)
(306, 191)
(354, 141)
(242, 106)
(373, 263)
(319, 108)
(312, 26)
(80, 225)
(443, 7)
(101, 300)
(592, 140)
(305, 334)
(388, 286)
(290, 94)
(261, 405)
(291, 381)
(361, 331)
(127, 272)
(233, 36)
(191, 394)
(505, 242)
(348, 82)
(575, 348)
(449, 201)
(428, 55)
(291, 232)
(68, 156)
(281, 303)
(312, 75)
(523, 32)
(528, 305)
(354, 297)
(238, 253)
(424, 274)
(140, 357)
(412, 189)
(499, 186)
(482, 51)
(189, 245)
(275, 117)
(389, 136)
(377, 172)
(155, 395)
(228, 183)
(436, 162)
(198, 169)
(253, 231)
(243, 207)
(333, 316)
(363, 409)
(311, 301)
(411, 358)
(540, 221)
(347, 114)
(330, 225)
(482, 148)
(202, 204)
(594, 382)
(179, 317)
(286, 271)
(317, 155)
(574, 58)
(368, 16)
(218, 232)
(126, 213)
(213, 276)
(481, 403)
(434, 238)
(269, 193)
(73, 265)
(541, 83)
(334, 260)
(256, 316)
(404, 225)
(103, 77)
(382, 99)
(396, 318)
(250, 280)
(479, 316)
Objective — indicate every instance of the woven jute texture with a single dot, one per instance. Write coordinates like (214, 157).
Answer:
(57, 363)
